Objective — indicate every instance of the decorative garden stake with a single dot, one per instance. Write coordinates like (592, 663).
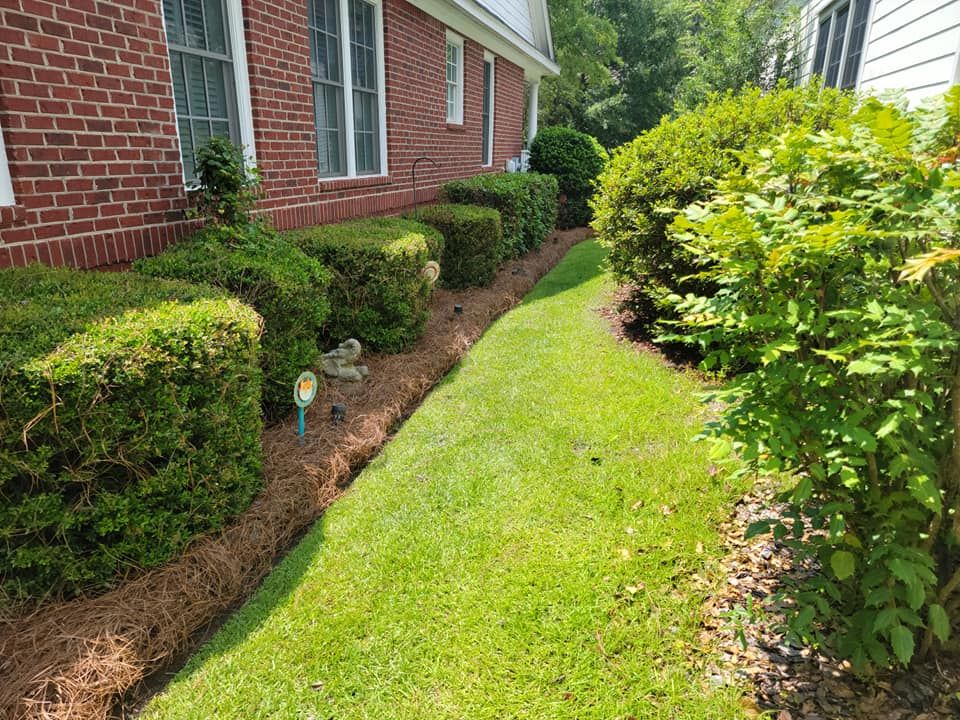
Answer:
(304, 393)
(338, 413)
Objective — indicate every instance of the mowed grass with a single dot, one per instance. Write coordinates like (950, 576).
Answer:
(528, 546)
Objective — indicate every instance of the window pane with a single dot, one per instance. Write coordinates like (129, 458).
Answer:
(823, 37)
(216, 89)
(836, 45)
(363, 54)
(186, 146)
(196, 86)
(366, 132)
(329, 109)
(487, 99)
(216, 32)
(173, 20)
(858, 32)
(179, 85)
(193, 15)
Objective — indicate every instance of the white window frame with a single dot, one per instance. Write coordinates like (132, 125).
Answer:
(346, 65)
(489, 57)
(6, 186)
(457, 118)
(831, 13)
(241, 78)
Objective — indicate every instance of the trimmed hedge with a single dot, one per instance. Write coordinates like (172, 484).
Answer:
(378, 294)
(285, 286)
(652, 179)
(575, 159)
(129, 424)
(527, 203)
(472, 237)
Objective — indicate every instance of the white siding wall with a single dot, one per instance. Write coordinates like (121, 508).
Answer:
(516, 15)
(913, 45)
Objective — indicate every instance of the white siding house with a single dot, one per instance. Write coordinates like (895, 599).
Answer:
(878, 45)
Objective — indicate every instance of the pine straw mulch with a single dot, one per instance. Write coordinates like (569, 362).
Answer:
(745, 624)
(73, 660)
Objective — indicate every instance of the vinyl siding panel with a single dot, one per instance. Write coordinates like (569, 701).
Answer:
(514, 13)
(912, 45)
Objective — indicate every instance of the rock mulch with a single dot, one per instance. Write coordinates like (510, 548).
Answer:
(745, 623)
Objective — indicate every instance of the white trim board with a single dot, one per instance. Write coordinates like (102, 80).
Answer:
(6, 186)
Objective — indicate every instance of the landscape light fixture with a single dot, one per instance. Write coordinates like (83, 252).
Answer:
(338, 413)
(458, 309)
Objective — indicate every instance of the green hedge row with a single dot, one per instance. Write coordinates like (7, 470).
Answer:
(472, 237)
(527, 203)
(287, 288)
(129, 424)
(378, 293)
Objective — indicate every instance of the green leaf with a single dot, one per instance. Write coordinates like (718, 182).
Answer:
(864, 367)
(901, 639)
(843, 564)
(925, 490)
(939, 622)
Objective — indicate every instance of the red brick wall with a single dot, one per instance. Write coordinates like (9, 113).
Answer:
(86, 108)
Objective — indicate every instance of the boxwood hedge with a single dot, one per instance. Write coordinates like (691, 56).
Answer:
(378, 293)
(471, 241)
(129, 424)
(527, 203)
(287, 288)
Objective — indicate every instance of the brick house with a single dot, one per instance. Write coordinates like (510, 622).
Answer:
(102, 103)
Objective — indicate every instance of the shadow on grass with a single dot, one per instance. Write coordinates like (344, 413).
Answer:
(581, 264)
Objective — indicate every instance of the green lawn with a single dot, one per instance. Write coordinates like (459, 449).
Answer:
(526, 547)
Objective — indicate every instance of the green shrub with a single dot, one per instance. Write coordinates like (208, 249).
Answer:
(652, 178)
(575, 159)
(378, 294)
(129, 424)
(835, 258)
(472, 237)
(527, 203)
(287, 288)
(228, 187)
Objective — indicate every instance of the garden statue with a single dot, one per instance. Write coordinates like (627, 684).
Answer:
(340, 363)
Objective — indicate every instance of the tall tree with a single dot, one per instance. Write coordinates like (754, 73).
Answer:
(586, 47)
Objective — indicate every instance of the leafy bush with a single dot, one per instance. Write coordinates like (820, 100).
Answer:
(651, 179)
(228, 187)
(378, 293)
(835, 256)
(575, 159)
(472, 237)
(527, 203)
(129, 424)
(287, 288)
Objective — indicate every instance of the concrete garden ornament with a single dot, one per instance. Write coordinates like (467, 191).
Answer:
(341, 363)
(430, 272)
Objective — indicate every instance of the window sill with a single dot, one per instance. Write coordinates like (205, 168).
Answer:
(456, 127)
(11, 214)
(349, 183)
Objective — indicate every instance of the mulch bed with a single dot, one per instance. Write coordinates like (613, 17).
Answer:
(744, 624)
(76, 659)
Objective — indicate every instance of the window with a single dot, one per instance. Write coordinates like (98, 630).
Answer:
(840, 39)
(208, 68)
(347, 83)
(6, 187)
(454, 79)
(487, 133)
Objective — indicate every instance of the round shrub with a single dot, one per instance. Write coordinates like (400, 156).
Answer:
(575, 159)
(378, 293)
(129, 424)
(651, 179)
(287, 288)
(471, 241)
